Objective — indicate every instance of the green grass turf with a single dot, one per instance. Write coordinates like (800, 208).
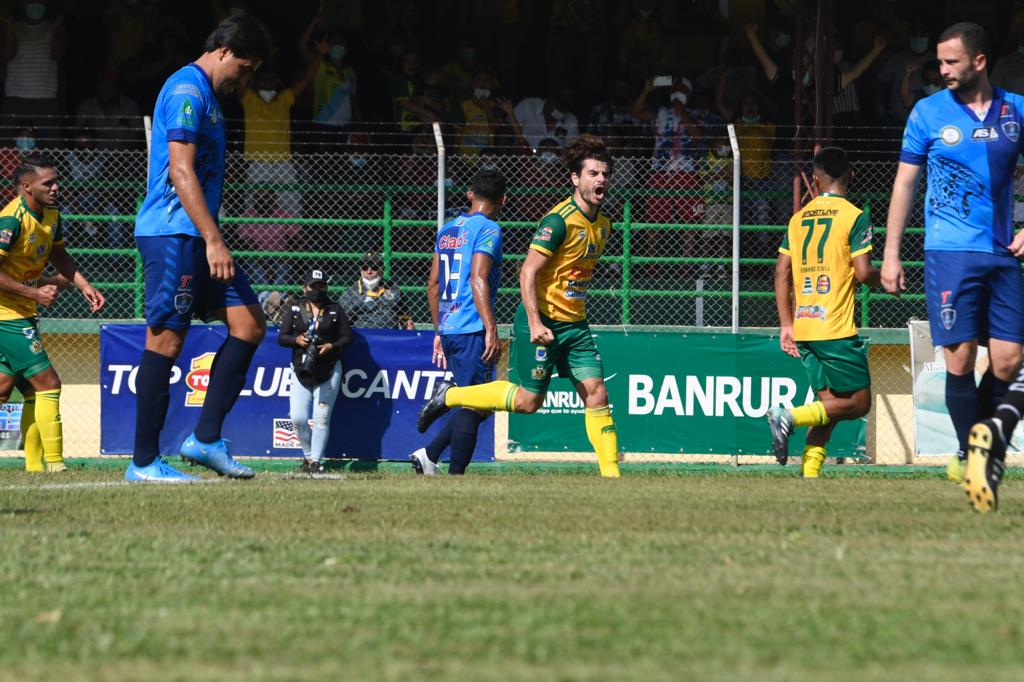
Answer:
(384, 575)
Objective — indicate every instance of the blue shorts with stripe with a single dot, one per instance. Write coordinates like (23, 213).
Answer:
(973, 295)
(178, 282)
(463, 352)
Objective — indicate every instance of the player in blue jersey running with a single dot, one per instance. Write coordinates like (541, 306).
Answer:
(969, 135)
(189, 271)
(461, 291)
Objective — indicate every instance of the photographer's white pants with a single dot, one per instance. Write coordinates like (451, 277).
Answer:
(313, 432)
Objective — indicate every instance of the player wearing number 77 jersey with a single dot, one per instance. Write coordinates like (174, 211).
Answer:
(827, 246)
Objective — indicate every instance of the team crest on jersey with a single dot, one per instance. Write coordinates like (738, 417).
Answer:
(215, 116)
(6, 236)
(824, 284)
(591, 249)
(948, 316)
(29, 332)
(541, 355)
(807, 288)
(951, 136)
(985, 134)
(1012, 130)
(40, 250)
(183, 303)
(32, 238)
(539, 373)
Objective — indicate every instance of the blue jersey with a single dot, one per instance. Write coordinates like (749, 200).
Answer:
(186, 110)
(970, 165)
(456, 243)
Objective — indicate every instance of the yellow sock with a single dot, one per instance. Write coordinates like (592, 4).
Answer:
(814, 458)
(30, 436)
(810, 415)
(496, 395)
(604, 439)
(51, 431)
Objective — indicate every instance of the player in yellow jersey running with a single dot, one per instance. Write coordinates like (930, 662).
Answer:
(550, 330)
(31, 234)
(827, 247)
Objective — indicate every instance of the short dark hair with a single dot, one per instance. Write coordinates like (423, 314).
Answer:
(488, 183)
(244, 35)
(584, 147)
(973, 36)
(833, 162)
(30, 164)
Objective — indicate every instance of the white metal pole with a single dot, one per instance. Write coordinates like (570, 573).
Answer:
(147, 125)
(736, 181)
(439, 141)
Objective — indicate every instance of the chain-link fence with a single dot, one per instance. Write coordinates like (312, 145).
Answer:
(668, 262)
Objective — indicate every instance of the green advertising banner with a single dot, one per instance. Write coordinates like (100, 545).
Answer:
(689, 393)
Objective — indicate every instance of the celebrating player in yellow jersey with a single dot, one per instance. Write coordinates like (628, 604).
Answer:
(31, 235)
(550, 328)
(827, 246)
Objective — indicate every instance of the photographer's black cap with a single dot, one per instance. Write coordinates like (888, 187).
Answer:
(315, 276)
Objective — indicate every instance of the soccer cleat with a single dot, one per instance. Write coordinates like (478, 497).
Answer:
(985, 453)
(781, 424)
(56, 467)
(810, 465)
(956, 468)
(433, 408)
(214, 456)
(158, 471)
(311, 467)
(422, 464)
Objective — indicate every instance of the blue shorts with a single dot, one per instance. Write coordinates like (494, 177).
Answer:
(463, 352)
(178, 282)
(973, 295)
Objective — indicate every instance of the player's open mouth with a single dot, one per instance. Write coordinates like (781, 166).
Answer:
(599, 192)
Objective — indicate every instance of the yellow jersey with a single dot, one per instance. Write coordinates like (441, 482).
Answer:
(823, 238)
(574, 243)
(25, 242)
(268, 126)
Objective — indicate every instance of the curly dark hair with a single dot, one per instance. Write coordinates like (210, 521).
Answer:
(584, 147)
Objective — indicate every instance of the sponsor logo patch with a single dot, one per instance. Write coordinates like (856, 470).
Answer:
(948, 317)
(285, 436)
(5, 236)
(824, 284)
(985, 134)
(811, 312)
(186, 282)
(198, 379)
(183, 303)
(545, 234)
(951, 136)
(945, 297)
(541, 355)
(807, 288)
(539, 372)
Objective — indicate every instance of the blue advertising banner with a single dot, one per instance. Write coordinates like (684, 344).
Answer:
(386, 377)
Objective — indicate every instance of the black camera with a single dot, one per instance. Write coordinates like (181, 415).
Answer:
(309, 355)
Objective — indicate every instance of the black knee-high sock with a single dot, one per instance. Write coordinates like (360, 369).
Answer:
(962, 403)
(152, 394)
(227, 377)
(1011, 407)
(464, 432)
(443, 439)
(991, 390)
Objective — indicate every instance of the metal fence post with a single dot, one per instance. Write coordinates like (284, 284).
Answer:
(439, 141)
(736, 180)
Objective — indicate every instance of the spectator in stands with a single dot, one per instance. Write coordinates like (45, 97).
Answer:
(130, 25)
(776, 77)
(334, 85)
(889, 101)
(846, 111)
(615, 111)
(755, 135)
(542, 118)
(1009, 71)
(488, 121)
(10, 157)
(457, 75)
(639, 42)
(930, 81)
(33, 49)
(374, 302)
(114, 117)
(408, 110)
(86, 169)
(883, 24)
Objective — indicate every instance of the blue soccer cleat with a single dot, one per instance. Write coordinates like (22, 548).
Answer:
(214, 456)
(158, 471)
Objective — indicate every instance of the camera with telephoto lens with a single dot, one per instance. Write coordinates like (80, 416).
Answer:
(310, 354)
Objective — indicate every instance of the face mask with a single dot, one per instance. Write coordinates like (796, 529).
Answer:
(337, 52)
(930, 89)
(645, 14)
(319, 297)
(267, 95)
(679, 97)
(918, 45)
(557, 115)
(751, 118)
(724, 150)
(371, 284)
(35, 11)
(837, 56)
(467, 54)
(782, 40)
(807, 76)
(547, 157)
(25, 143)
(481, 93)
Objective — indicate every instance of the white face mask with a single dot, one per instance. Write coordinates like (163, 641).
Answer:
(481, 93)
(35, 11)
(751, 118)
(930, 89)
(557, 114)
(782, 40)
(25, 143)
(807, 76)
(548, 157)
(337, 52)
(724, 150)
(679, 97)
(267, 95)
(918, 45)
(371, 284)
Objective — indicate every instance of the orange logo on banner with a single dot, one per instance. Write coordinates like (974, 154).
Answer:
(198, 379)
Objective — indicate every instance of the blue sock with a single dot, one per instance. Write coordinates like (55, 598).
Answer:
(464, 432)
(443, 439)
(962, 403)
(227, 377)
(152, 394)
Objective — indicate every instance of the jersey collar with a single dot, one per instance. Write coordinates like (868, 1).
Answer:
(37, 216)
(584, 213)
(832, 194)
(206, 76)
(993, 108)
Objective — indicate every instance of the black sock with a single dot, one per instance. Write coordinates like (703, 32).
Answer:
(1011, 407)
(991, 391)
(464, 432)
(962, 403)
(227, 377)
(152, 394)
(443, 439)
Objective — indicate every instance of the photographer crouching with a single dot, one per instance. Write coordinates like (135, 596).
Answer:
(317, 330)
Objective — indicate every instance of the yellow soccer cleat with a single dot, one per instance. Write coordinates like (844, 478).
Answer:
(810, 466)
(985, 466)
(956, 469)
(56, 467)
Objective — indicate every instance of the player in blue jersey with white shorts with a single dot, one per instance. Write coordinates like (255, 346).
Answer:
(969, 136)
(461, 291)
(189, 271)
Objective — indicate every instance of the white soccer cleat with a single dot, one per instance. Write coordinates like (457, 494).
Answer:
(422, 464)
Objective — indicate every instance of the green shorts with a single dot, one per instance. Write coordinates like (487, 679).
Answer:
(837, 364)
(21, 348)
(573, 353)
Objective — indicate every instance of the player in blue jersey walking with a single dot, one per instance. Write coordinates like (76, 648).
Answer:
(189, 270)
(969, 135)
(461, 291)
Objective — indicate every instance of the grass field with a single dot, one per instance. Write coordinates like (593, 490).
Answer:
(684, 573)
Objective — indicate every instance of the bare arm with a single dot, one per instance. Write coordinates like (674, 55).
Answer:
(478, 276)
(308, 54)
(66, 266)
(723, 109)
(640, 110)
(300, 85)
(535, 261)
(768, 65)
(434, 291)
(903, 188)
(783, 291)
(860, 67)
(865, 272)
(190, 193)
